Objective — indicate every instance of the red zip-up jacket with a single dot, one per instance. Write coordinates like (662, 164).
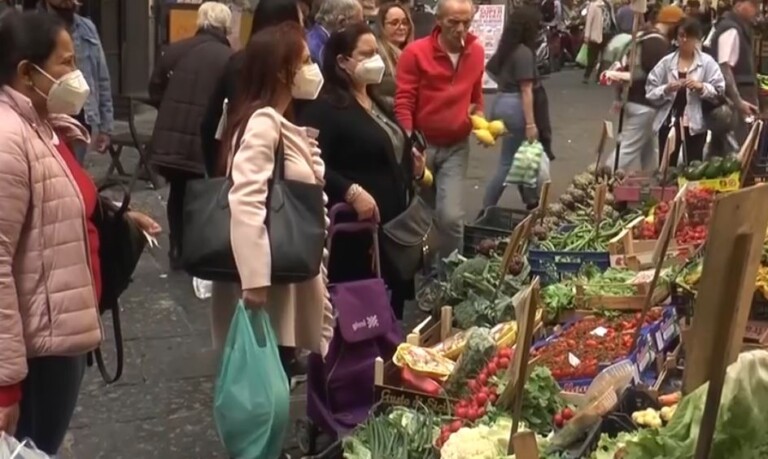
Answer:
(434, 97)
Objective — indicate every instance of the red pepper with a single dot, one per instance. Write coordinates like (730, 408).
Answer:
(421, 383)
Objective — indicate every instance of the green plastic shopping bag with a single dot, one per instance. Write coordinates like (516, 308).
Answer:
(526, 165)
(581, 58)
(251, 400)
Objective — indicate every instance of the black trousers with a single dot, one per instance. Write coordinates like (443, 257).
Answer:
(175, 209)
(49, 397)
(694, 144)
(593, 57)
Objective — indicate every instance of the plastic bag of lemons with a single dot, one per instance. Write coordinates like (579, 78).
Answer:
(487, 131)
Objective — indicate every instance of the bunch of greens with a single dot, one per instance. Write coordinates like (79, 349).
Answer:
(612, 282)
(607, 447)
(558, 297)
(541, 400)
(470, 286)
(401, 434)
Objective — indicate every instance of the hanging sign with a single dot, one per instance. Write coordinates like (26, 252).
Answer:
(487, 25)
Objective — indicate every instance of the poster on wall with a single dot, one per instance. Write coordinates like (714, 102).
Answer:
(487, 25)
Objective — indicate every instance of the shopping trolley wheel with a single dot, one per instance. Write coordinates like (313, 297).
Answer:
(306, 434)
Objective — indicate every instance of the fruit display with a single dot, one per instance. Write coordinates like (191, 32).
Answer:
(487, 131)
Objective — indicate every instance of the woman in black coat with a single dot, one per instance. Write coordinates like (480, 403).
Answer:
(368, 157)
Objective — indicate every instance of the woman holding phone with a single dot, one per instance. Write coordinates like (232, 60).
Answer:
(678, 85)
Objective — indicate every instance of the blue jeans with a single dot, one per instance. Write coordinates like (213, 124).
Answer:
(449, 166)
(508, 107)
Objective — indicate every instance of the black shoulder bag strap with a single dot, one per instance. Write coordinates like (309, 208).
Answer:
(115, 308)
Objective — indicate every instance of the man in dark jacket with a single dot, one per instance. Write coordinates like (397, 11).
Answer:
(181, 85)
(732, 48)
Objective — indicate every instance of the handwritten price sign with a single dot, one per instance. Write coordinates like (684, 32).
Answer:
(487, 25)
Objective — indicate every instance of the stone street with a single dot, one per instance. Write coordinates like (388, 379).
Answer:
(161, 408)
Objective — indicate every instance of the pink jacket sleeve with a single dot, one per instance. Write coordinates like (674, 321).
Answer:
(251, 170)
(14, 200)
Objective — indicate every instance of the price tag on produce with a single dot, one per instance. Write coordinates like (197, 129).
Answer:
(599, 331)
(573, 360)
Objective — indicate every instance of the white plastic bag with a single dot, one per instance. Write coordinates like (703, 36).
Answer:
(203, 288)
(10, 448)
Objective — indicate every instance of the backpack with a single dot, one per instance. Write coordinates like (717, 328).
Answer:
(121, 242)
(622, 63)
(548, 10)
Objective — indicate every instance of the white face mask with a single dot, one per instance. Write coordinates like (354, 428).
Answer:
(308, 82)
(370, 71)
(68, 94)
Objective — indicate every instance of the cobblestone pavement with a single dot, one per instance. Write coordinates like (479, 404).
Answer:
(161, 408)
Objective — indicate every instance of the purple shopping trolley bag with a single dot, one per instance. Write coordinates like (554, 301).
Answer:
(341, 391)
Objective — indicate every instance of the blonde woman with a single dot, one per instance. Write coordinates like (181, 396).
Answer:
(395, 31)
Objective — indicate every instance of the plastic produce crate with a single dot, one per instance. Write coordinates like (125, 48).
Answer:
(638, 189)
(493, 223)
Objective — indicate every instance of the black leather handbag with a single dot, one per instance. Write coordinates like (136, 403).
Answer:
(207, 252)
(295, 223)
(410, 239)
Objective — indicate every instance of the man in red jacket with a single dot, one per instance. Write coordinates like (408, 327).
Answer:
(439, 84)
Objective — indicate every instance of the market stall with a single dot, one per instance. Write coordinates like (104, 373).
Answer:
(593, 329)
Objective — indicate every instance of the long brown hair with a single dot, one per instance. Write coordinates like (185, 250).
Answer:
(272, 58)
(389, 51)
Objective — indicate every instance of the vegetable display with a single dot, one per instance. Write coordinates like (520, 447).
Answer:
(471, 284)
(580, 349)
(401, 434)
(464, 376)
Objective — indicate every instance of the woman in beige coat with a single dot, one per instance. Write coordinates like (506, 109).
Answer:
(50, 274)
(277, 70)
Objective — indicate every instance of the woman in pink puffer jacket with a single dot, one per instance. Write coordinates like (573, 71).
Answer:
(49, 268)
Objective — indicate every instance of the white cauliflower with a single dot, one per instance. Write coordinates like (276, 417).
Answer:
(476, 443)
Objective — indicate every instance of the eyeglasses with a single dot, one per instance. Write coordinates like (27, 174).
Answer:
(398, 23)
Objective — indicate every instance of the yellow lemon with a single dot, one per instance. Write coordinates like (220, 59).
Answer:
(485, 137)
(478, 122)
(497, 128)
